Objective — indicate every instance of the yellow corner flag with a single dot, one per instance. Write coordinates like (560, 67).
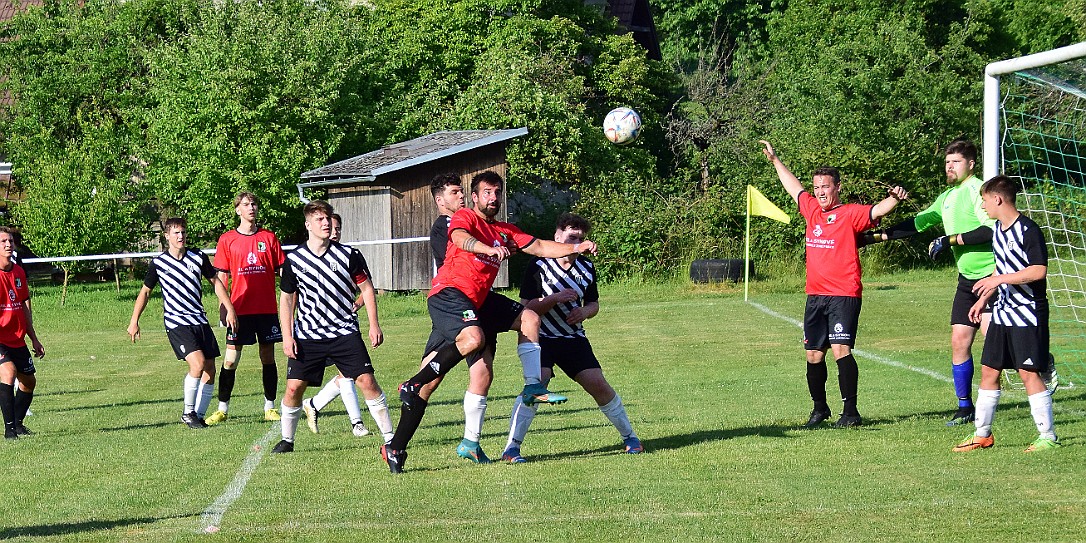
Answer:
(758, 204)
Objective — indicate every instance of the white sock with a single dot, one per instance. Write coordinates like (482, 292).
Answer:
(269, 404)
(529, 361)
(379, 411)
(985, 410)
(519, 422)
(224, 407)
(191, 385)
(474, 410)
(616, 413)
(1040, 404)
(203, 398)
(349, 394)
(290, 422)
(327, 394)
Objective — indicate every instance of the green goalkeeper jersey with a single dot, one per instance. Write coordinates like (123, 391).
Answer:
(959, 209)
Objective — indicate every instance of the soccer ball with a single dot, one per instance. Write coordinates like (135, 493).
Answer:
(622, 125)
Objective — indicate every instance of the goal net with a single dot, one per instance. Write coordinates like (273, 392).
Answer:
(1041, 141)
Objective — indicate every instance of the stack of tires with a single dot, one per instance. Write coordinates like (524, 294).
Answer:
(717, 270)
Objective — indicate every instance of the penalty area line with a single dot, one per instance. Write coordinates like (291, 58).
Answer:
(212, 516)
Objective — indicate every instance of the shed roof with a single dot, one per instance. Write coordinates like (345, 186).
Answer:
(366, 168)
(9, 8)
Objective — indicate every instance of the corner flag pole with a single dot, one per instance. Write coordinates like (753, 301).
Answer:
(746, 253)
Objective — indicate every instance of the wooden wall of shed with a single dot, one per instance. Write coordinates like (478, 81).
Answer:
(366, 213)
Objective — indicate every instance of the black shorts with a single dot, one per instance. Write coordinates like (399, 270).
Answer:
(572, 355)
(197, 337)
(263, 329)
(451, 311)
(20, 356)
(963, 301)
(348, 353)
(1016, 347)
(830, 320)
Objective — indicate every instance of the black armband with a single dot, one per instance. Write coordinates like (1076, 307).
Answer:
(977, 236)
(901, 230)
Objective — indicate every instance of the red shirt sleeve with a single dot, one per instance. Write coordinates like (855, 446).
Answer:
(222, 259)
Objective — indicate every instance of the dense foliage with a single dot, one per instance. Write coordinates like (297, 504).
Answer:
(127, 111)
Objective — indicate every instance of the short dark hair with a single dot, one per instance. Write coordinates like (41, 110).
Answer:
(487, 177)
(8, 230)
(245, 194)
(442, 180)
(1003, 186)
(318, 206)
(827, 170)
(337, 218)
(174, 222)
(572, 220)
(966, 148)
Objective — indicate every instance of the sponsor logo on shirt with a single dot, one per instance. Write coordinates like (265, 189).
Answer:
(817, 230)
(11, 294)
(251, 259)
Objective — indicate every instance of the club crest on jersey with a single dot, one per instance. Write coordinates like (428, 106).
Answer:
(335, 267)
(817, 230)
(11, 294)
(18, 282)
(469, 315)
(831, 218)
(261, 246)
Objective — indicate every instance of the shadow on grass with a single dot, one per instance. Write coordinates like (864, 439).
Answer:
(80, 527)
(66, 392)
(117, 404)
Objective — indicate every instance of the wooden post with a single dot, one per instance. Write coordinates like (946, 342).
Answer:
(117, 275)
(64, 289)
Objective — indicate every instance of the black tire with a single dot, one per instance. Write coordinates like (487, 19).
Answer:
(717, 270)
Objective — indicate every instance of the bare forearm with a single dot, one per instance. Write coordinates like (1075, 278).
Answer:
(286, 315)
(140, 305)
(369, 296)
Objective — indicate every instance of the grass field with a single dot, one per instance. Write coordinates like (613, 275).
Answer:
(714, 387)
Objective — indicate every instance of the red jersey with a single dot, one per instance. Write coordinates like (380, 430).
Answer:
(251, 261)
(472, 273)
(13, 309)
(833, 263)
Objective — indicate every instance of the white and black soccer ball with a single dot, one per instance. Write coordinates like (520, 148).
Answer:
(622, 125)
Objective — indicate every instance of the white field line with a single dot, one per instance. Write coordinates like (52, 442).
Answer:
(894, 363)
(212, 516)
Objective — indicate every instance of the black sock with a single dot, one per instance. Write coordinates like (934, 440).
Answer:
(848, 375)
(816, 383)
(226, 383)
(447, 358)
(410, 419)
(270, 375)
(22, 405)
(7, 405)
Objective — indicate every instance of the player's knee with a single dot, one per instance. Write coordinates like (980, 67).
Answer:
(295, 389)
(529, 320)
(27, 382)
(470, 340)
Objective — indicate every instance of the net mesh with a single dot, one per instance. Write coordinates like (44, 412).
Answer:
(1044, 145)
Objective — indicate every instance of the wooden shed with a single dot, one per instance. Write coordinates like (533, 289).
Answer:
(385, 195)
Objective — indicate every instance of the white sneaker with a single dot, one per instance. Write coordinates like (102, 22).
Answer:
(311, 415)
(359, 429)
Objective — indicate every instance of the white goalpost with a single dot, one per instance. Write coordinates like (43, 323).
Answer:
(1035, 132)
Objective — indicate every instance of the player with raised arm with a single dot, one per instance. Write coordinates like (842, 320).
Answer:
(564, 292)
(317, 311)
(968, 232)
(1018, 335)
(834, 287)
(248, 258)
(469, 315)
(16, 324)
(179, 270)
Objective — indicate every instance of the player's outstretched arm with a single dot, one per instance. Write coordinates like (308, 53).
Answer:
(883, 208)
(224, 300)
(137, 310)
(287, 300)
(464, 240)
(788, 179)
(552, 249)
(369, 299)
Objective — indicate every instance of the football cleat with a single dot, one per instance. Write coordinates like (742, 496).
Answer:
(848, 421)
(283, 446)
(10, 434)
(22, 430)
(311, 415)
(537, 393)
(394, 459)
(359, 429)
(975, 442)
(1043, 444)
(472, 451)
(409, 394)
(272, 414)
(192, 420)
(817, 417)
(633, 445)
(512, 455)
(216, 418)
(964, 415)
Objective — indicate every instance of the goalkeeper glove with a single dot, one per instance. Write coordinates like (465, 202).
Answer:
(870, 237)
(937, 245)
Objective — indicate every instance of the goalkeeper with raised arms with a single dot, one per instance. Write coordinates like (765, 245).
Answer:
(967, 231)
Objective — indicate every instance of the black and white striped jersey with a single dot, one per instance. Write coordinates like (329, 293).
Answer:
(1016, 248)
(545, 276)
(326, 286)
(182, 294)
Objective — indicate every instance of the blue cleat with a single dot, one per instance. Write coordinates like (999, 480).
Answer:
(537, 393)
(512, 455)
(633, 445)
(472, 451)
